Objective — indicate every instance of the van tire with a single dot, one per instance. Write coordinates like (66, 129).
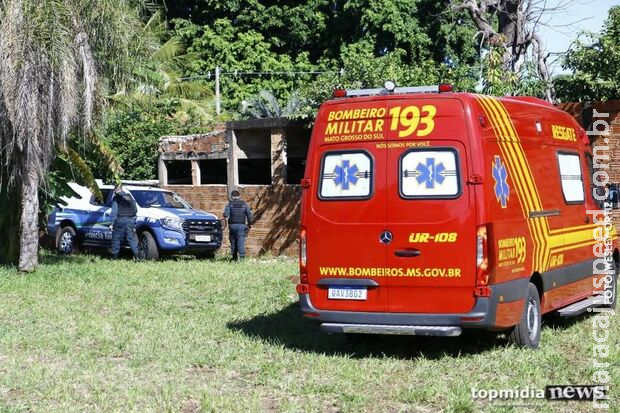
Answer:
(527, 332)
(147, 247)
(66, 241)
(614, 288)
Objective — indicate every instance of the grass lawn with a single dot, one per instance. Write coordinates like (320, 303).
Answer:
(88, 334)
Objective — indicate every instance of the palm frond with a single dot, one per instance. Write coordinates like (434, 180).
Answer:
(106, 153)
(169, 50)
(85, 173)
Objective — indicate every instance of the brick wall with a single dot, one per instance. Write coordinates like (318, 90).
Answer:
(212, 142)
(276, 207)
(613, 139)
(276, 210)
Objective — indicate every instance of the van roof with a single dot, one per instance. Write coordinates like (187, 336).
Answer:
(464, 96)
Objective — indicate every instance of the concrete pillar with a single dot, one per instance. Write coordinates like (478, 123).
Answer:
(278, 157)
(196, 173)
(232, 161)
(162, 172)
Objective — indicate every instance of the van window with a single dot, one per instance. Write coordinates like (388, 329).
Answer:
(429, 174)
(346, 175)
(570, 175)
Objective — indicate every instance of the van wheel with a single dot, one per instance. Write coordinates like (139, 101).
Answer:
(613, 288)
(147, 247)
(527, 332)
(66, 241)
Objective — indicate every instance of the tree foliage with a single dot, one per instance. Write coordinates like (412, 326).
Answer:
(132, 133)
(412, 41)
(593, 58)
(508, 33)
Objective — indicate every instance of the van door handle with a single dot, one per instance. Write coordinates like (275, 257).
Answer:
(407, 253)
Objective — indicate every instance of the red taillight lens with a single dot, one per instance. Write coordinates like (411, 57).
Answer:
(302, 289)
(340, 93)
(482, 256)
(303, 257)
(445, 87)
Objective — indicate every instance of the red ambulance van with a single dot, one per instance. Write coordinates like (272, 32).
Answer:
(425, 212)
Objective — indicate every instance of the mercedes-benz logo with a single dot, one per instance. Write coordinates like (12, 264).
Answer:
(385, 237)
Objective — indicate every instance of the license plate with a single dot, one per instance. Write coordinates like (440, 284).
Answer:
(203, 238)
(347, 293)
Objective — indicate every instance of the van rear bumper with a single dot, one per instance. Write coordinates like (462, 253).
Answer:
(482, 315)
(444, 331)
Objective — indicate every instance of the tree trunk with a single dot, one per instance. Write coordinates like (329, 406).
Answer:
(9, 222)
(29, 228)
(511, 29)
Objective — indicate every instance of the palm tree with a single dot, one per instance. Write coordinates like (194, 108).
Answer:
(159, 77)
(266, 105)
(53, 57)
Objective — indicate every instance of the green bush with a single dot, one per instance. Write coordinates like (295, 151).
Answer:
(132, 133)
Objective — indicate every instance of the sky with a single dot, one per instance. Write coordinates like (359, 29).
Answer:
(561, 27)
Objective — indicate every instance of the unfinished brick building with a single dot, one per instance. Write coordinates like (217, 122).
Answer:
(263, 158)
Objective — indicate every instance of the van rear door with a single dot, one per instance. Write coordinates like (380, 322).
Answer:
(347, 210)
(430, 208)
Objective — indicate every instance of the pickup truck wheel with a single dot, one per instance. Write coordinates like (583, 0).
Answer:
(147, 247)
(527, 332)
(66, 241)
(613, 288)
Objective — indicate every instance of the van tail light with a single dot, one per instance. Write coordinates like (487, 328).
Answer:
(303, 257)
(482, 257)
(340, 93)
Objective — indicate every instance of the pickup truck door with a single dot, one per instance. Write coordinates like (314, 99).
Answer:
(95, 229)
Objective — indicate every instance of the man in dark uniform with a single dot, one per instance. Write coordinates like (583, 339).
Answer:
(237, 212)
(123, 221)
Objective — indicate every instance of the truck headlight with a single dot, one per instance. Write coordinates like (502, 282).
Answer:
(173, 223)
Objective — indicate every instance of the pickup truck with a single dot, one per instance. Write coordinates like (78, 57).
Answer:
(165, 224)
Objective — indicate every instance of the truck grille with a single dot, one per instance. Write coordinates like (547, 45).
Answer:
(193, 227)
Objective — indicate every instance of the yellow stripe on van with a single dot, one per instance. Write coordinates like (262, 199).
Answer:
(546, 241)
(553, 239)
(503, 137)
(530, 192)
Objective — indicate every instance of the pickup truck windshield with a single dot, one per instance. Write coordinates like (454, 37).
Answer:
(159, 199)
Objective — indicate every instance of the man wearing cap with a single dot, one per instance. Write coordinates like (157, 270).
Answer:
(237, 212)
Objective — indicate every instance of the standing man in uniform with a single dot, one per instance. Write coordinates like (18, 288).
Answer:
(237, 212)
(123, 221)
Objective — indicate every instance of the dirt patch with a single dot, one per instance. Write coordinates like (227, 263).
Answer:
(190, 406)
(270, 404)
